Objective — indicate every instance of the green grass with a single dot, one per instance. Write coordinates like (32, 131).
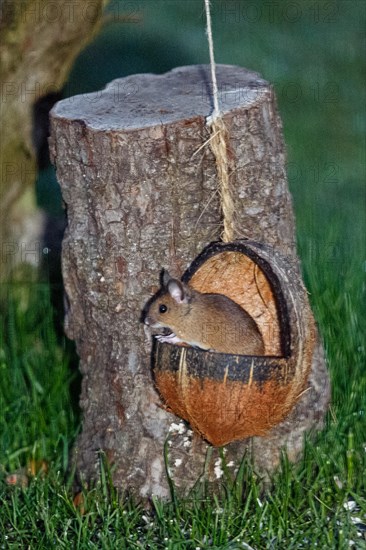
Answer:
(322, 58)
(37, 421)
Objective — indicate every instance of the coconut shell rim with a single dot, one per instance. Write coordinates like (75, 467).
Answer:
(203, 364)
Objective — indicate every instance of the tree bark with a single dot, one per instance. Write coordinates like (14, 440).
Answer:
(141, 194)
(40, 40)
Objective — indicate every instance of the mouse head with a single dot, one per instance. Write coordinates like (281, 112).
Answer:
(170, 305)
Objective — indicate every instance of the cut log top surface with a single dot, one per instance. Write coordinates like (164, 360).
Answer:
(146, 100)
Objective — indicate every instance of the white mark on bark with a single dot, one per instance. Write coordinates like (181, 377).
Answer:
(180, 428)
(217, 469)
(187, 442)
(132, 361)
(154, 483)
(155, 419)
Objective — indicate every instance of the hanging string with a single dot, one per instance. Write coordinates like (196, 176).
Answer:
(219, 142)
(215, 94)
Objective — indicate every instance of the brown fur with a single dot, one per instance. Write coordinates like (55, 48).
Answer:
(208, 321)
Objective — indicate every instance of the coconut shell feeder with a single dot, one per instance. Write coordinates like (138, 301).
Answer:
(228, 397)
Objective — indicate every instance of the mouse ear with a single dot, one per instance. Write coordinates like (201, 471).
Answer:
(177, 291)
(166, 277)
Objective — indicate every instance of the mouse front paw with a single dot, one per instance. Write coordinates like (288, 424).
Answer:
(168, 339)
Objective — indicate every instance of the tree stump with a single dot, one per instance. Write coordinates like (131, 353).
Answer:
(141, 193)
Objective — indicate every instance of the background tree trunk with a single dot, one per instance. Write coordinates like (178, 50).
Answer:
(39, 42)
(141, 194)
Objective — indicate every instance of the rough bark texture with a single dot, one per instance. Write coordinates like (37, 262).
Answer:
(140, 197)
(40, 40)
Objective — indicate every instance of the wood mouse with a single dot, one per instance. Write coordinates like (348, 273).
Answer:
(207, 321)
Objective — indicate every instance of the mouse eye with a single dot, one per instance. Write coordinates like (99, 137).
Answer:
(163, 308)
